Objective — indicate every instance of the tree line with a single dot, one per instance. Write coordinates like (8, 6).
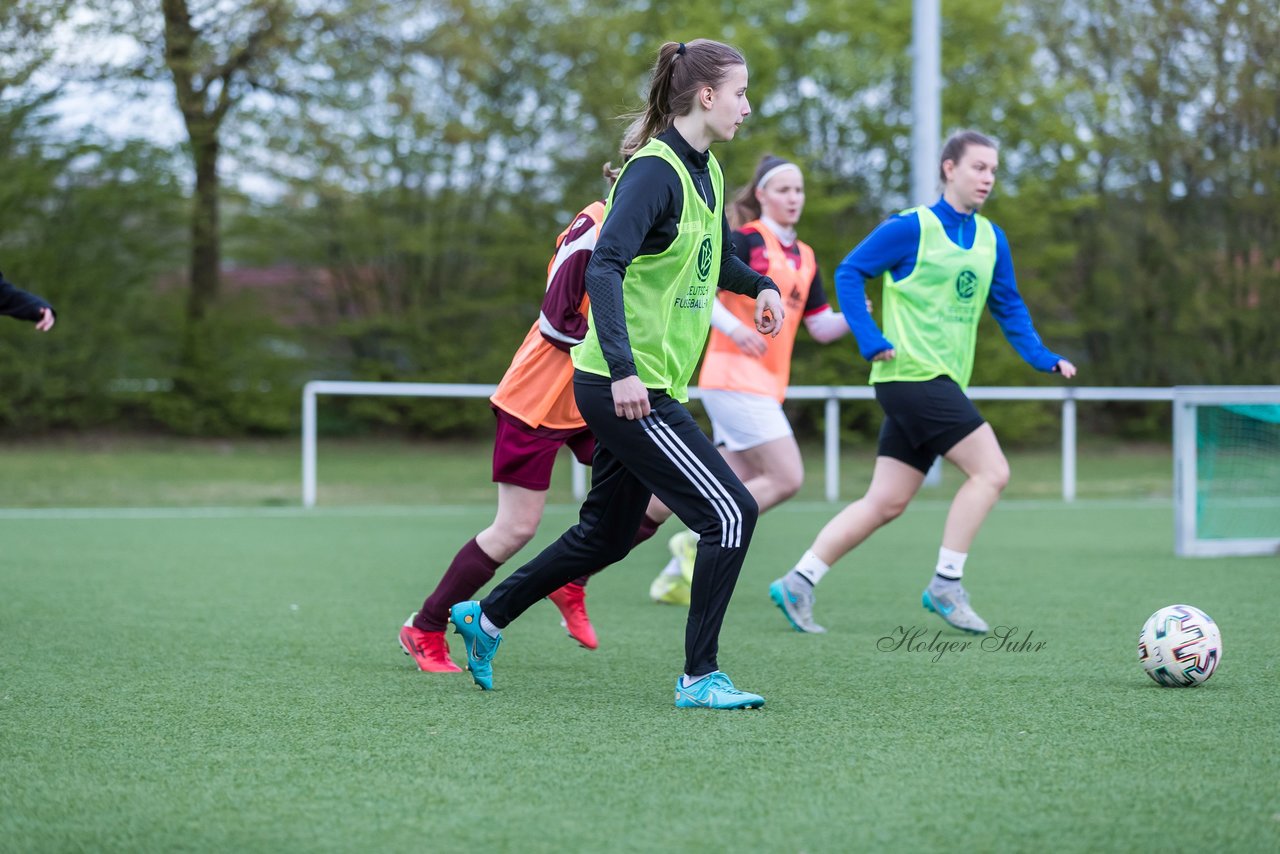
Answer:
(370, 190)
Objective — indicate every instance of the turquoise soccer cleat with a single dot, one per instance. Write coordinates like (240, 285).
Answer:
(796, 605)
(714, 691)
(465, 617)
(955, 609)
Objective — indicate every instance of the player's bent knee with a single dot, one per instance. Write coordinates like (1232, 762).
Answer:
(613, 553)
(520, 532)
(997, 476)
(789, 484)
(890, 509)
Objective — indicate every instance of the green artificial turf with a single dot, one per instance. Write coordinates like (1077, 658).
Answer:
(230, 681)
(156, 472)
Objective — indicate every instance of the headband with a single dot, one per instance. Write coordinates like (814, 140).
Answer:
(781, 167)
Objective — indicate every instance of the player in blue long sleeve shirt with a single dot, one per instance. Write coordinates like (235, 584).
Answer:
(892, 249)
(941, 265)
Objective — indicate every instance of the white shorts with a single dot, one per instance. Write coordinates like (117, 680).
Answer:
(741, 421)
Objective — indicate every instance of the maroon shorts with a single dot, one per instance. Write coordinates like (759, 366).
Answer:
(524, 456)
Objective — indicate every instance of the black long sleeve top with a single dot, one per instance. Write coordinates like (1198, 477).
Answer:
(643, 220)
(20, 304)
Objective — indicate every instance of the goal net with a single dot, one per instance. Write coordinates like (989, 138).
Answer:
(1226, 447)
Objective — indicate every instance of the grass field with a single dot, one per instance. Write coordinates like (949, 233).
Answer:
(230, 681)
(131, 472)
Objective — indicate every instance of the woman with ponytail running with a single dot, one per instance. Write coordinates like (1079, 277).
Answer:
(652, 281)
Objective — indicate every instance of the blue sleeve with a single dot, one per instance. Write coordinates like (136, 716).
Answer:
(890, 248)
(1011, 312)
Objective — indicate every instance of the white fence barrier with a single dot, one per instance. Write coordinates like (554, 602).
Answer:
(1068, 395)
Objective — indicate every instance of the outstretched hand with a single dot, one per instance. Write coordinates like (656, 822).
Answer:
(769, 313)
(1065, 368)
(45, 323)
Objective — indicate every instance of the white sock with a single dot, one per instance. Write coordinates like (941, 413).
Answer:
(811, 568)
(951, 564)
(489, 628)
(686, 680)
(672, 567)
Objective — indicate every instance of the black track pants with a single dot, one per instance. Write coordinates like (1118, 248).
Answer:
(664, 454)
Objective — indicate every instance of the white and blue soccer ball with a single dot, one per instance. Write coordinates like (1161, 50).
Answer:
(1180, 646)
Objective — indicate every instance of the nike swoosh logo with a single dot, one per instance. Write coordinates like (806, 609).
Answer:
(684, 691)
(940, 608)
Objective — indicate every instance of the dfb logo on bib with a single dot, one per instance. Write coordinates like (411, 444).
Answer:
(704, 259)
(966, 285)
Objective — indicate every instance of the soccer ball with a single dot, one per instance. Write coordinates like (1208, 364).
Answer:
(1180, 646)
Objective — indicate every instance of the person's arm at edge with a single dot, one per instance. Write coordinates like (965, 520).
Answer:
(18, 303)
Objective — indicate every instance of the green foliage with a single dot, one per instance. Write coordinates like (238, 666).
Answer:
(423, 154)
(90, 228)
(239, 371)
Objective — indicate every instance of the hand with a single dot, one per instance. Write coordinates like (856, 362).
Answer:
(630, 398)
(769, 313)
(45, 323)
(748, 341)
(884, 356)
(1065, 368)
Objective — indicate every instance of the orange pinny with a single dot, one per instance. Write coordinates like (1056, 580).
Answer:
(538, 385)
(728, 368)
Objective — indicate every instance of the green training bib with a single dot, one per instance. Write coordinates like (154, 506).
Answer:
(667, 297)
(932, 315)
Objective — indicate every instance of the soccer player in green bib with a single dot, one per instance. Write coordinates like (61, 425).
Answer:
(652, 282)
(941, 264)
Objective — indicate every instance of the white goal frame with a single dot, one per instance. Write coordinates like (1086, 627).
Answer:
(1186, 401)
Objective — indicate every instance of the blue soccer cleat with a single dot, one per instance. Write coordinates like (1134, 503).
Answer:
(714, 691)
(954, 607)
(796, 604)
(465, 617)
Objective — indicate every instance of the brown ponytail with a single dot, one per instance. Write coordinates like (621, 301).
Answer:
(679, 72)
(632, 141)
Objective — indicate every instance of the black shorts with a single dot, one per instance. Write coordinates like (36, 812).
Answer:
(924, 420)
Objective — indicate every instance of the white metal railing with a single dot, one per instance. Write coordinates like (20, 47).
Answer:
(1068, 395)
